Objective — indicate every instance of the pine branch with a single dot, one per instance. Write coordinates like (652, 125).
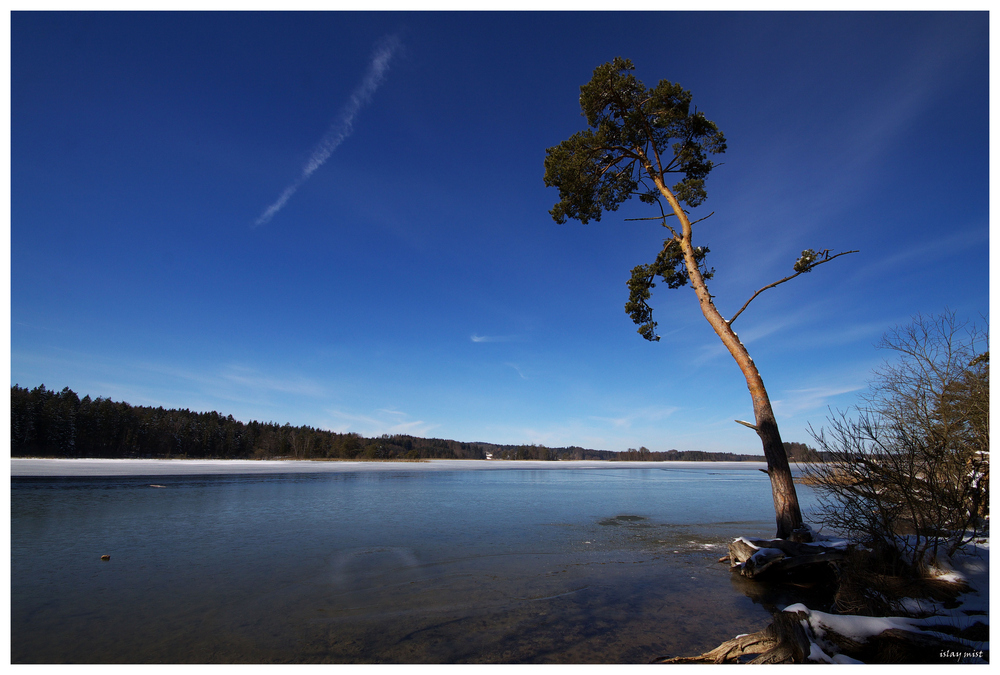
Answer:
(788, 278)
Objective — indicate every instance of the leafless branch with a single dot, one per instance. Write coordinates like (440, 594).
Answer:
(705, 218)
(663, 217)
(781, 281)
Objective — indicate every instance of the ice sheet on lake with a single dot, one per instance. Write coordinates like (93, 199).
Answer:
(174, 467)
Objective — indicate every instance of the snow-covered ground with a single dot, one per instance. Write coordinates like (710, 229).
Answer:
(971, 566)
(174, 467)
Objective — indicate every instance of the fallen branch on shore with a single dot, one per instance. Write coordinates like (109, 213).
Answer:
(801, 635)
(754, 557)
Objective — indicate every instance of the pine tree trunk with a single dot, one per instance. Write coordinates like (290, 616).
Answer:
(786, 501)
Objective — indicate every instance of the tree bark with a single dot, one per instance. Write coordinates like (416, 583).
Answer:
(786, 501)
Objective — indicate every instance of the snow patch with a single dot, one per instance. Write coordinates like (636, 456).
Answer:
(817, 654)
(862, 628)
(763, 553)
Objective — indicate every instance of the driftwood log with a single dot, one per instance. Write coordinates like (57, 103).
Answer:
(754, 557)
(792, 638)
(784, 641)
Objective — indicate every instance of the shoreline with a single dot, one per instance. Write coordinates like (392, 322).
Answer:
(27, 466)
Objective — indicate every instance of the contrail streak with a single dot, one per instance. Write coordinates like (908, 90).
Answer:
(343, 125)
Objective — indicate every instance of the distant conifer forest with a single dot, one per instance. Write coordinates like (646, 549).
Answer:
(60, 424)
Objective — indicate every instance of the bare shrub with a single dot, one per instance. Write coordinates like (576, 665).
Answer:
(907, 472)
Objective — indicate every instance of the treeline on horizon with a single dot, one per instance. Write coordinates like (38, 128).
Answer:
(47, 423)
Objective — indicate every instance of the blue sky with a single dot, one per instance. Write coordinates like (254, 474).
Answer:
(339, 219)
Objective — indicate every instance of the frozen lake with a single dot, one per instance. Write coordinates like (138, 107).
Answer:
(179, 467)
(429, 562)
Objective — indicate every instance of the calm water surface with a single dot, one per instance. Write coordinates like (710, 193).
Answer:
(498, 566)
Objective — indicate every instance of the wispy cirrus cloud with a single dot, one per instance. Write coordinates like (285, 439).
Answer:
(518, 370)
(244, 391)
(493, 338)
(379, 422)
(648, 415)
(343, 126)
(715, 349)
(250, 379)
(969, 235)
(798, 401)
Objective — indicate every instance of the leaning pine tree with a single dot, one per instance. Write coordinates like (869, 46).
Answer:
(636, 137)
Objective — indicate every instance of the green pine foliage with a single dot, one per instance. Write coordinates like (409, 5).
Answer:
(636, 138)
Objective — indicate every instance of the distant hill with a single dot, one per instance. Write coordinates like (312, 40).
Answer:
(46, 423)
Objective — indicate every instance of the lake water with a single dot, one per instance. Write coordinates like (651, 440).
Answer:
(508, 565)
